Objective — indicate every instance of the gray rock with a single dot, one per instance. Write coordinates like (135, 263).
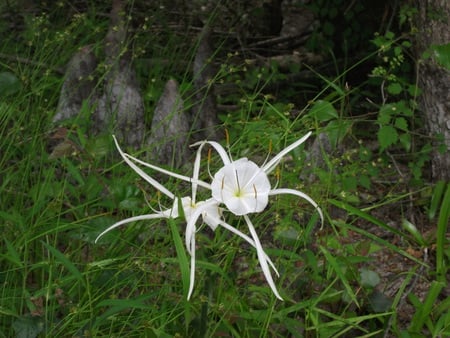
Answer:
(169, 137)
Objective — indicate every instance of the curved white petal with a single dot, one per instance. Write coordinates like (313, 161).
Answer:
(192, 272)
(196, 172)
(220, 150)
(300, 194)
(194, 215)
(207, 209)
(186, 203)
(131, 219)
(261, 257)
(211, 212)
(141, 173)
(170, 173)
(269, 166)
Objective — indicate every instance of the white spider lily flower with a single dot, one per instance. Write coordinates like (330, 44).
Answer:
(209, 210)
(244, 188)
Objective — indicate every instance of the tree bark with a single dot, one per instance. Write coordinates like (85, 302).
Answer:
(434, 80)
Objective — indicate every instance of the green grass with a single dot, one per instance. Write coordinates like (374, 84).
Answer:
(56, 282)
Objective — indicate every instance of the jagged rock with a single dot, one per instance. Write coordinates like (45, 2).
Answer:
(78, 85)
(120, 108)
(321, 144)
(169, 137)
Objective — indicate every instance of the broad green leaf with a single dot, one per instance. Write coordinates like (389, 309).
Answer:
(337, 130)
(9, 84)
(401, 123)
(394, 88)
(28, 327)
(405, 140)
(401, 107)
(386, 113)
(387, 136)
(380, 302)
(323, 111)
(368, 278)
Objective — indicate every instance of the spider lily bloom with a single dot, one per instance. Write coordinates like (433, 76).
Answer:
(244, 188)
(209, 210)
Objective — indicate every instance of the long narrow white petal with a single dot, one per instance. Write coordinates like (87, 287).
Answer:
(268, 167)
(196, 172)
(300, 194)
(129, 220)
(192, 272)
(220, 150)
(141, 173)
(170, 173)
(190, 226)
(261, 257)
(247, 239)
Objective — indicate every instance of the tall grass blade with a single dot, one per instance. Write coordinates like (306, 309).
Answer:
(334, 264)
(357, 212)
(442, 227)
(184, 267)
(12, 255)
(181, 254)
(424, 310)
(66, 263)
(436, 199)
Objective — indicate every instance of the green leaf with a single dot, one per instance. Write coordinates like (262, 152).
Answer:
(364, 181)
(369, 278)
(337, 130)
(59, 256)
(423, 311)
(323, 111)
(412, 229)
(442, 230)
(339, 270)
(401, 123)
(387, 136)
(394, 88)
(132, 203)
(12, 255)
(9, 84)
(379, 301)
(386, 113)
(181, 254)
(438, 192)
(401, 107)
(442, 55)
(287, 234)
(28, 327)
(405, 140)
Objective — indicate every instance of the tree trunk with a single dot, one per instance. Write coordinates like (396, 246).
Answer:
(434, 81)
